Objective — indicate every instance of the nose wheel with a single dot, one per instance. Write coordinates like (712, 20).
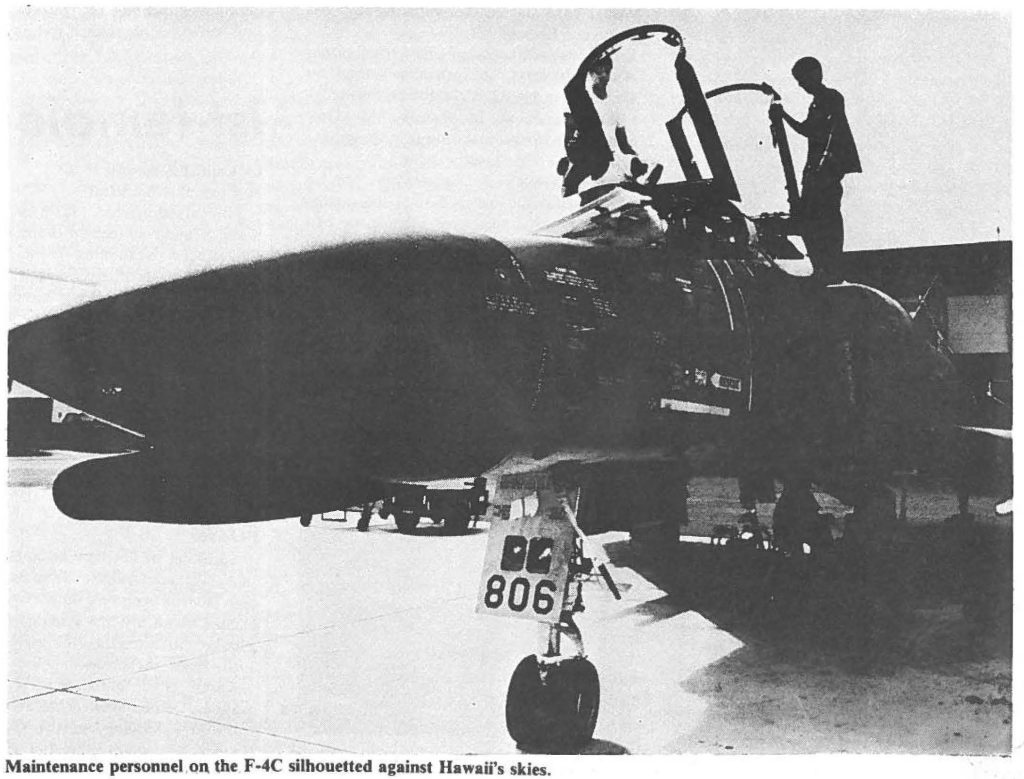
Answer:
(552, 705)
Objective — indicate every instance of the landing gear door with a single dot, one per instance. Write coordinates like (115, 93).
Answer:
(526, 568)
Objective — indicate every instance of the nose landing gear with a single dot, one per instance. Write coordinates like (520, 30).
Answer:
(553, 697)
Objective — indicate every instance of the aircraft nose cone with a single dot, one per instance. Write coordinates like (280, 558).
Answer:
(383, 348)
(197, 353)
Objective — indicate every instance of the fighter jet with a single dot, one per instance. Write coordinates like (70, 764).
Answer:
(656, 317)
(649, 319)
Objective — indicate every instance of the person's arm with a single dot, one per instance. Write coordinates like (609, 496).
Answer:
(810, 129)
(777, 110)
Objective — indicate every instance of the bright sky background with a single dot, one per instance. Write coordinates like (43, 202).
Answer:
(146, 143)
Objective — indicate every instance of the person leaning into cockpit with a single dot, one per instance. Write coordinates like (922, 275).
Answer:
(831, 154)
(624, 164)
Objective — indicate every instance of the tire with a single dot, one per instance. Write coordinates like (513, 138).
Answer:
(406, 522)
(456, 523)
(305, 520)
(557, 713)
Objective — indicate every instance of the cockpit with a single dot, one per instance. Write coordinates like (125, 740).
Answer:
(646, 158)
(637, 115)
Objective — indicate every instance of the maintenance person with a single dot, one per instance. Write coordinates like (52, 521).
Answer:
(592, 163)
(831, 154)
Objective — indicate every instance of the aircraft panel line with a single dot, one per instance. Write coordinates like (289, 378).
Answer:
(725, 295)
(750, 351)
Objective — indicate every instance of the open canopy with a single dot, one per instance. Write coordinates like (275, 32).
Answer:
(637, 114)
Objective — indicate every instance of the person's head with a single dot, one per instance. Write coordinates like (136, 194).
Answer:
(600, 73)
(807, 72)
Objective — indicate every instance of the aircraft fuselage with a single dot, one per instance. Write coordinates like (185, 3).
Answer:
(413, 358)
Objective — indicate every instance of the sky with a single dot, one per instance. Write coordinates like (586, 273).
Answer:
(146, 143)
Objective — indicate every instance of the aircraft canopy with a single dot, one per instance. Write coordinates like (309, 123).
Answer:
(637, 114)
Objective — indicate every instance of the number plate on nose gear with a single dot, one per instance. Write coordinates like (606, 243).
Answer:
(526, 568)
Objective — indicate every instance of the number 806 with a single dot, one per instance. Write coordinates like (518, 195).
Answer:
(519, 594)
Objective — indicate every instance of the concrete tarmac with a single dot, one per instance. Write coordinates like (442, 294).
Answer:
(273, 638)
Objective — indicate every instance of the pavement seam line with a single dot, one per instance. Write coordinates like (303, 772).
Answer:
(49, 690)
(196, 718)
(259, 642)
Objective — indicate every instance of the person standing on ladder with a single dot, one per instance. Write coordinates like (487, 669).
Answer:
(831, 154)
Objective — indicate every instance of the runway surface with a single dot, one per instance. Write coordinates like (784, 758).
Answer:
(273, 638)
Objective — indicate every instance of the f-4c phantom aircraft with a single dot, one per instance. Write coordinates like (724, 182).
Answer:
(656, 317)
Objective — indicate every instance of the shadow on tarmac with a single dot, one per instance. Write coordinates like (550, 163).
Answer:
(434, 531)
(597, 746)
(866, 613)
(431, 531)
